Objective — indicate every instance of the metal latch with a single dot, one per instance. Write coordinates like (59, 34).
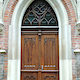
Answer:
(39, 34)
(42, 67)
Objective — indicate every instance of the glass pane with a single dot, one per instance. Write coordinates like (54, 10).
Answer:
(40, 4)
(43, 8)
(35, 22)
(26, 22)
(44, 22)
(48, 16)
(31, 16)
(36, 9)
(53, 22)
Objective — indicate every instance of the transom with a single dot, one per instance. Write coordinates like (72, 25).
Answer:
(39, 13)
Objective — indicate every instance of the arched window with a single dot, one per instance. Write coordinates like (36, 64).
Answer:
(39, 13)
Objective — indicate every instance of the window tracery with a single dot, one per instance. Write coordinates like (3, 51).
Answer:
(39, 13)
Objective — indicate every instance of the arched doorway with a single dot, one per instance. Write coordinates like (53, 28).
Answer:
(39, 43)
(14, 51)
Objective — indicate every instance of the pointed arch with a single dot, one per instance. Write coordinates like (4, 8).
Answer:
(41, 11)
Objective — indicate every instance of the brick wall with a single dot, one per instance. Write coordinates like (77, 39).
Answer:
(7, 20)
(4, 38)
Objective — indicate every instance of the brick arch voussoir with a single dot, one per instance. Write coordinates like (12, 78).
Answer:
(9, 11)
(70, 11)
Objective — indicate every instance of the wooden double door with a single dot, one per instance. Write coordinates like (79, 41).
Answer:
(40, 56)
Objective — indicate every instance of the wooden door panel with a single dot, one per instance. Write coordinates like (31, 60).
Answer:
(40, 57)
(50, 52)
(49, 76)
(29, 76)
(29, 52)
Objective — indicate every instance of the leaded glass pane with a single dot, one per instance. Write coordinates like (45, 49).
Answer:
(27, 22)
(48, 16)
(31, 16)
(52, 22)
(35, 22)
(40, 13)
(44, 22)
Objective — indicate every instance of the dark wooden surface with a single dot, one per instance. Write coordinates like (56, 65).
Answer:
(40, 57)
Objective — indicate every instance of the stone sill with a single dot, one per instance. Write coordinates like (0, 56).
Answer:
(2, 51)
(77, 51)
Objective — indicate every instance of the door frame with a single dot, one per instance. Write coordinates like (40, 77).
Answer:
(14, 48)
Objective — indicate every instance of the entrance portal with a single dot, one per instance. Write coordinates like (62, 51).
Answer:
(39, 43)
(14, 51)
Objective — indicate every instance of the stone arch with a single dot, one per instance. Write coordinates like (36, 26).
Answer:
(15, 40)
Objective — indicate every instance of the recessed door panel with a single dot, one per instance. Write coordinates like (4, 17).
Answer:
(49, 76)
(30, 52)
(29, 76)
(50, 52)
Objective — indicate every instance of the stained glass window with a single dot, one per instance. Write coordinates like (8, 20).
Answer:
(39, 13)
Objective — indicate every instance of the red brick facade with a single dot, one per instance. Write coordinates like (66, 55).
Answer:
(4, 37)
(7, 20)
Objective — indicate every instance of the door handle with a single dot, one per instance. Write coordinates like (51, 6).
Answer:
(39, 34)
(42, 67)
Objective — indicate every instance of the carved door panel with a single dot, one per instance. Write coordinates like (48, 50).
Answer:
(49, 52)
(39, 59)
(29, 76)
(29, 57)
(50, 57)
(50, 76)
(29, 52)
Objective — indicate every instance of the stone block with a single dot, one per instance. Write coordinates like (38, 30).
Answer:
(1, 71)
